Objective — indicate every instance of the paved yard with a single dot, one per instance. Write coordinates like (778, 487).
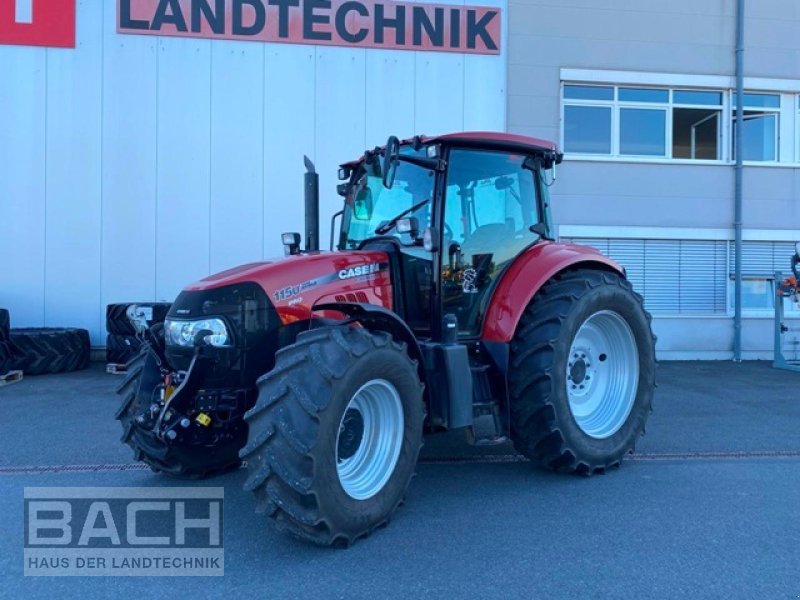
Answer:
(708, 508)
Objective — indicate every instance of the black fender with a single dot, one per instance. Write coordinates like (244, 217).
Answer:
(377, 318)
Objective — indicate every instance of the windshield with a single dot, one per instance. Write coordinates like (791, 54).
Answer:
(370, 204)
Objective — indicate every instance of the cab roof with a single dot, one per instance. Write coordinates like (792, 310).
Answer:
(491, 140)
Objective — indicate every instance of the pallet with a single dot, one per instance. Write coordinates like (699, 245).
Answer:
(10, 377)
(116, 368)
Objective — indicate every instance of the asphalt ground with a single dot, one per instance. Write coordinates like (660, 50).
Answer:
(708, 507)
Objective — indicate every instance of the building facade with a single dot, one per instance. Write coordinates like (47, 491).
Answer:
(146, 157)
(640, 96)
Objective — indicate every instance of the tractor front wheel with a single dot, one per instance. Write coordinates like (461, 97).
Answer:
(583, 372)
(335, 434)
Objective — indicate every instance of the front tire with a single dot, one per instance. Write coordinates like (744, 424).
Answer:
(583, 373)
(335, 434)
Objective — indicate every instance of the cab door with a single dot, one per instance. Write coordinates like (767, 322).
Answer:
(490, 204)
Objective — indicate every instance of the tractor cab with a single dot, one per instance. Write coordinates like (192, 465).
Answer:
(452, 212)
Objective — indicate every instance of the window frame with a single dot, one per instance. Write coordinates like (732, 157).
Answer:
(616, 105)
(775, 111)
(787, 145)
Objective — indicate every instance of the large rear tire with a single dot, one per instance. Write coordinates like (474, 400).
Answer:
(582, 373)
(335, 434)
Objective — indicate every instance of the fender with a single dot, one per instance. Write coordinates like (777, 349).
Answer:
(378, 318)
(526, 276)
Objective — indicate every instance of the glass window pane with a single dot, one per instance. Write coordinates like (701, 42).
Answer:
(760, 100)
(588, 92)
(643, 95)
(696, 97)
(756, 294)
(642, 132)
(587, 129)
(759, 136)
(695, 133)
(490, 205)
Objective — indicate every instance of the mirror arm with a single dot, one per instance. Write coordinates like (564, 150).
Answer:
(433, 164)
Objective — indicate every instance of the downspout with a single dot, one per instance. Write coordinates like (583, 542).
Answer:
(737, 190)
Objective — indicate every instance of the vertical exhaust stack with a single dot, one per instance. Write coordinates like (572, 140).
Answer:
(312, 205)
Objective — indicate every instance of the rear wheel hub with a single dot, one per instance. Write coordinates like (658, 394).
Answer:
(602, 374)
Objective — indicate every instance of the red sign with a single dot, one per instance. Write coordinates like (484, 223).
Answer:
(38, 23)
(361, 23)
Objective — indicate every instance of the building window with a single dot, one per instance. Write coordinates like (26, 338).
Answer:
(642, 122)
(587, 129)
(696, 120)
(761, 125)
(642, 132)
(760, 262)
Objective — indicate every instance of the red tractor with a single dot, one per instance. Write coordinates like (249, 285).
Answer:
(446, 305)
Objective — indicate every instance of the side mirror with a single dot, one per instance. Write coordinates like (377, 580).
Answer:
(291, 243)
(363, 205)
(797, 249)
(539, 229)
(391, 159)
(409, 225)
(503, 183)
(333, 231)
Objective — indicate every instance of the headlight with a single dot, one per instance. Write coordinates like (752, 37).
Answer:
(183, 333)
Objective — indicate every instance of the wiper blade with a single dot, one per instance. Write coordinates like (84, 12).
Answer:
(388, 225)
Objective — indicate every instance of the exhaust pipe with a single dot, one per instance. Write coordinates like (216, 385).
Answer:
(312, 205)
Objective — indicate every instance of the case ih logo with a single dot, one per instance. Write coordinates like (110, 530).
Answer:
(366, 23)
(38, 23)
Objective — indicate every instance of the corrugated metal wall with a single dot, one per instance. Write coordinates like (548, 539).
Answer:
(131, 166)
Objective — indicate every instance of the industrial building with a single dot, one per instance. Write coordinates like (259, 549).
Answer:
(145, 144)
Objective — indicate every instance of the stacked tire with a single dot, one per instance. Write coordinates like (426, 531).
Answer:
(6, 348)
(42, 350)
(45, 350)
(121, 349)
(123, 341)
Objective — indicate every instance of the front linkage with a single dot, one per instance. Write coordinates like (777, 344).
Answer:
(172, 423)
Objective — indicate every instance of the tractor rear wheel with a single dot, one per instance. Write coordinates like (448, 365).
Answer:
(582, 372)
(335, 434)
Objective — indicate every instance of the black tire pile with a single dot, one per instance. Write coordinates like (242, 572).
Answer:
(122, 342)
(42, 350)
(6, 347)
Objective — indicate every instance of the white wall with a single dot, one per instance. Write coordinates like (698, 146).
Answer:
(131, 165)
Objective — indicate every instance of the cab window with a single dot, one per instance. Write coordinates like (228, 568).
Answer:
(490, 205)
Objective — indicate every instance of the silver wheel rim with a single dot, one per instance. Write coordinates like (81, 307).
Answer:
(369, 439)
(602, 374)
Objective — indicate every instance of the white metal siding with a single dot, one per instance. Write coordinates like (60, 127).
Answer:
(131, 166)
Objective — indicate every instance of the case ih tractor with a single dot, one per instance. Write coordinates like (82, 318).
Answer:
(446, 305)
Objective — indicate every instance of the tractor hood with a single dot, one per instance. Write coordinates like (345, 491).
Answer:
(295, 284)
